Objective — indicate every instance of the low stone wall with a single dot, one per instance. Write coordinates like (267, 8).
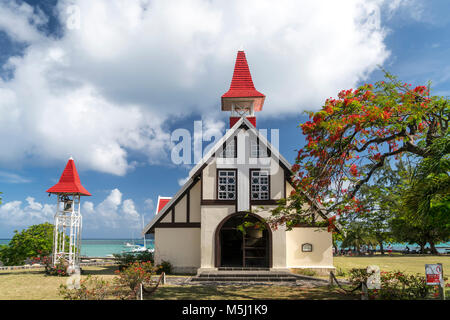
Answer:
(39, 266)
(321, 271)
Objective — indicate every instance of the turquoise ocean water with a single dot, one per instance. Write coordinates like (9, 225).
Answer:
(105, 247)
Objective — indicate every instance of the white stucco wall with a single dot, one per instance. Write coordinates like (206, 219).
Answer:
(194, 203)
(322, 254)
(180, 210)
(179, 246)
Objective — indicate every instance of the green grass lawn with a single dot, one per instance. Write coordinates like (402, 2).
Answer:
(411, 264)
(33, 284)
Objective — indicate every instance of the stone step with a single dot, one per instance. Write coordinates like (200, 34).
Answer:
(245, 279)
(242, 269)
(246, 274)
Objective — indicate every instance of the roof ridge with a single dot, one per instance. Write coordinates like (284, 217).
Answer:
(69, 182)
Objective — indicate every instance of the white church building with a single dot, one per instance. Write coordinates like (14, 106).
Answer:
(239, 179)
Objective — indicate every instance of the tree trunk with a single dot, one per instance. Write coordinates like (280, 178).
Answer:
(381, 248)
(432, 247)
(422, 247)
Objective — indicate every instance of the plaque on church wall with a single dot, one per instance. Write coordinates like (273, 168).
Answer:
(307, 247)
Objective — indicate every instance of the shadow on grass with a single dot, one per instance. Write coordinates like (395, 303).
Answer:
(99, 270)
(211, 292)
(23, 271)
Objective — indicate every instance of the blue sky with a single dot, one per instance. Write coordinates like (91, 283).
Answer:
(107, 82)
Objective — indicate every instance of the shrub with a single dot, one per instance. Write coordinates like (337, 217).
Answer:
(127, 284)
(91, 288)
(394, 285)
(164, 266)
(34, 241)
(340, 272)
(127, 258)
(60, 269)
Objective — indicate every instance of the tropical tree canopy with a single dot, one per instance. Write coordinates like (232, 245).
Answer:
(355, 135)
(34, 241)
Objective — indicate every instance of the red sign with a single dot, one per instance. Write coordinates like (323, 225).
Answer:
(433, 279)
(434, 274)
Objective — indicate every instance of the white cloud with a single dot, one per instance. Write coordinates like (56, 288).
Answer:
(15, 214)
(109, 87)
(110, 216)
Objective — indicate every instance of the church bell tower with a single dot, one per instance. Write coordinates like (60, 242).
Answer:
(242, 99)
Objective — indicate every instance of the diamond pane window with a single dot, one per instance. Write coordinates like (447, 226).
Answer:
(229, 150)
(226, 185)
(257, 150)
(260, 184)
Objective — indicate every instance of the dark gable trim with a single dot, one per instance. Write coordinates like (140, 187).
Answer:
(304, 225)
(188, 205)
(217, 202)
(263, 202)
(178, 225)
(171, 209)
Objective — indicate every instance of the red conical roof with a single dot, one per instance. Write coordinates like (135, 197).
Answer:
(242, 83)
(69, 181)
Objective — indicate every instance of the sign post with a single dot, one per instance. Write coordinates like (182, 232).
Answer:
(435, 277)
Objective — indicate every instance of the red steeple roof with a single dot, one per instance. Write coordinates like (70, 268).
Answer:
(242, 83)
(69, 181)
(162, 201)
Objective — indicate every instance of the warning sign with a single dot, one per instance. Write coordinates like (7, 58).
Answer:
(434, 274)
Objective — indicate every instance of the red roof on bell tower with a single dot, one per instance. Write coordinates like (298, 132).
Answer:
(69, 181)
(242, 83)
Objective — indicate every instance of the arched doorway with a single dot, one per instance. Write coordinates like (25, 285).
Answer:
(249, 249)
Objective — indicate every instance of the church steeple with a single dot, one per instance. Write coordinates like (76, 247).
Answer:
(242, 99)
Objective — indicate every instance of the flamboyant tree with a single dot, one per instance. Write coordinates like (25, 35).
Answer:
(352, 137)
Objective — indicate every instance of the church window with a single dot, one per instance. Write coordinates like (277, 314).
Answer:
(226, 183)
(259, 184)
(229, 149)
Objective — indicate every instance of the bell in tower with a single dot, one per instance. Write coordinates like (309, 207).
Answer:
(68, 220)
(242, 99)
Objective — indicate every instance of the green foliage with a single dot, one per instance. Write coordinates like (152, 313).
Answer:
(125, 286)
(126, 258)
(340, 272)
(358, 234)
(422, 213)
(35, 241)
(164, 266)
(60, 269)
(351, 138)
(91, 288)
(306, 272)
(429, 190)
(131, 277)
(394, 285)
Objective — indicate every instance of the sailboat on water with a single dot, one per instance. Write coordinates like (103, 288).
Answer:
(141, 248)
